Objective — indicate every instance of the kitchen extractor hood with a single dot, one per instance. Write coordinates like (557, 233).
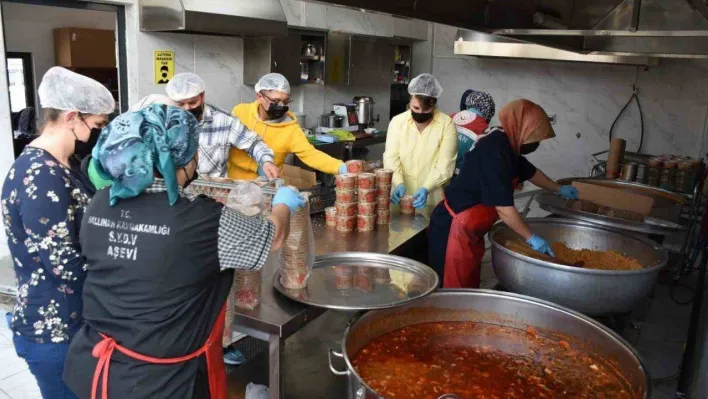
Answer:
(644, 28)
(262, 18)
(492, 46)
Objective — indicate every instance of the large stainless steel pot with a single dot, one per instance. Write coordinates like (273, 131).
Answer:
(494, 307)
(593, 292)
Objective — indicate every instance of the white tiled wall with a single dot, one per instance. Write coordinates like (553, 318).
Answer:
(585, 98)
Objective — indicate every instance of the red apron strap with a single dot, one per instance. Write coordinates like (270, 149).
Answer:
(103, 350)
(449, 210)
(215, 359)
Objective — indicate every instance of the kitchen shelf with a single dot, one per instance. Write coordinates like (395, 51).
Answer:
(311, 58)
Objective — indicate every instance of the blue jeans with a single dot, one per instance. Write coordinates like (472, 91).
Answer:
(46, 362)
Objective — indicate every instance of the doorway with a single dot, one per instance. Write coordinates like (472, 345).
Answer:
(20, 79)
(29, 35)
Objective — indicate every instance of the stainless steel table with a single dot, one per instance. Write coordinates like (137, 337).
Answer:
(277, 318)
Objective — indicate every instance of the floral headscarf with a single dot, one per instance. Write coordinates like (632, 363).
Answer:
(525, 122)
(135, 144)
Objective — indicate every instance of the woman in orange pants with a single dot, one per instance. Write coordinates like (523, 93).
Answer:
(484, 192)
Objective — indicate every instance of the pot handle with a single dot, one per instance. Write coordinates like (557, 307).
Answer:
(331, 352)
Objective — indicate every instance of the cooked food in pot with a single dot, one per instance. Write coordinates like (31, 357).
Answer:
(587, 258)
(479, 360)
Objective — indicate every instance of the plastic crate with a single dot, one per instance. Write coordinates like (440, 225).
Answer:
(321, 198)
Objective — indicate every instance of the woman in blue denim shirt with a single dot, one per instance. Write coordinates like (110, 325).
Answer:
(44, 197)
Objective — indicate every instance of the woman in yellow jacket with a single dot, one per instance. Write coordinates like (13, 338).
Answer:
(269, 117)
(421, 146)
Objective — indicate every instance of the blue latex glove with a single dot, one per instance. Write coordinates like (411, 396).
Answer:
(291, 198)
(398, 193)
(261, 172)
(420, 198)
(343, 169)
(540, 245)
(568, 192)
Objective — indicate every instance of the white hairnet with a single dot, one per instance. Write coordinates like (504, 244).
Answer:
(273, 81)
(185, 85)
(425, 84)
(152, 99)
(68, 91)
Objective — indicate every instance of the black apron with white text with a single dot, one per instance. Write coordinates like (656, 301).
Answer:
(154, 285)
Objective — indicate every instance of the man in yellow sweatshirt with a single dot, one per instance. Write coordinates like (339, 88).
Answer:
(269, 117)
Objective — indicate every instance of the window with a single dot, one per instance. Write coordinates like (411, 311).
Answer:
(20, 79)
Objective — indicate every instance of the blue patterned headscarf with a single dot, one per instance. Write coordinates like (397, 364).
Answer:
(480, 102)
(158, 137)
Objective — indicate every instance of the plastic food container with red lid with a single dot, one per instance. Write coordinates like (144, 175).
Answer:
(384, 176)
(365, 222)
(346, 208)
(345, 196)
(355, 166)
(346, 223)
(367, 196)
(331, 216)
(407, 205)
(383, 217)
(366, 181)
(366, 208)
(383, 203)
(346, 181)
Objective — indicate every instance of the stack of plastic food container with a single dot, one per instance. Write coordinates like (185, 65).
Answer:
(343, 217)
(383, 200)
(367, 194)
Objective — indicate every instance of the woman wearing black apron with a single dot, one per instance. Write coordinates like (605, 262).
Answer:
(160, 265)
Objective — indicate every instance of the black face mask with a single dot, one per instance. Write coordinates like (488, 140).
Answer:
(421, 117)
(529, 148)
(197, 112)
(276, 111)
(81, 148)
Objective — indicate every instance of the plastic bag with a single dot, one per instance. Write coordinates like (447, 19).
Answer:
(298, 253)
(247, 286)
(247, 198)
(255, 391)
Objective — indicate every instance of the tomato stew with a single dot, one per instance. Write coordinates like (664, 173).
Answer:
(477, 360)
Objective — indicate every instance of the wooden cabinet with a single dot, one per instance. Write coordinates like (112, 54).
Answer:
(84, 48)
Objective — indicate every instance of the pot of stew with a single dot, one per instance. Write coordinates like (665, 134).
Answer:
(457, 344)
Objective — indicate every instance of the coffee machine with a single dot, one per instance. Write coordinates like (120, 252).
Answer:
(348, 111)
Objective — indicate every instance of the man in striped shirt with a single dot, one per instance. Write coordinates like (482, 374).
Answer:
(219, 131)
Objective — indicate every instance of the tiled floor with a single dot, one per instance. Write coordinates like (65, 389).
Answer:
(16, 381)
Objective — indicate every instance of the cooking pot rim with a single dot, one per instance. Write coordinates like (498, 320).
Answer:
(663, 254)
(486, 292)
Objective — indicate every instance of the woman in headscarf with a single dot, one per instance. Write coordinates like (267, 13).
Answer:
(484, 192)
(44, 198)
(160, 265)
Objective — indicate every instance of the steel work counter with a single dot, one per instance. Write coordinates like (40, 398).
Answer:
(277, 318)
